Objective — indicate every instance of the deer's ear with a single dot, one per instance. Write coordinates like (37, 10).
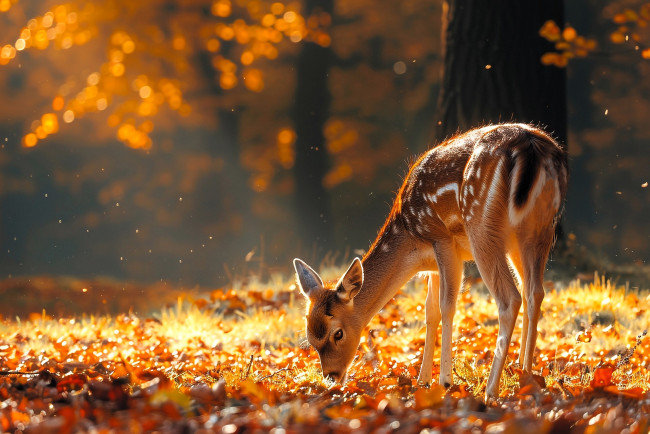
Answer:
(351, 282)
(308, 280)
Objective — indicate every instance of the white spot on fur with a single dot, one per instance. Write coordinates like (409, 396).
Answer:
(478, 172)
(451, 187)
(494, 186)
(385, 248)
(471, 189)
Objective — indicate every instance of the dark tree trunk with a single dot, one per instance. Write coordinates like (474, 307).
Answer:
(492, 69)
(311, 110)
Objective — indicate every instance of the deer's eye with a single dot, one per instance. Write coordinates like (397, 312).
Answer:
(338, 335)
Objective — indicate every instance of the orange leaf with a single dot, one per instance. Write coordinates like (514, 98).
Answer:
(634, 392)
(569, 34)
(617, 37)
(257, 392)
(429, 398)
(602, 377)
(72, 382)
(345, 411)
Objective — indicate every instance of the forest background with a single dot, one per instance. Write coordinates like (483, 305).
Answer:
(194, 142)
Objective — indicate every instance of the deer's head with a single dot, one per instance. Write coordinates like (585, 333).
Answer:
(333, 328)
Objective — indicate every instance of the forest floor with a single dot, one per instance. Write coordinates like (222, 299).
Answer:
(235, 359)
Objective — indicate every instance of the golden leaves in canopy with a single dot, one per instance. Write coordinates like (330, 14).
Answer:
(142, 40)
(632, 27)
(271, 23)
(567, 42)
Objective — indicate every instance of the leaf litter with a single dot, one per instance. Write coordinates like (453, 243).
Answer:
(236, 360)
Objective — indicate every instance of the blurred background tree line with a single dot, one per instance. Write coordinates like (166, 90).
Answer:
(193, 141)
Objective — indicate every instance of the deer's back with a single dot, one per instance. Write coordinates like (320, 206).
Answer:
(493, 174)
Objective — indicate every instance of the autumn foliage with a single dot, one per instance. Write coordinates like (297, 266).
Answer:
(235, 360)
(631, 29)
(150, 51)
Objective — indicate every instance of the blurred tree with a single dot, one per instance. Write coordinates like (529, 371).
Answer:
(137, 67)
(492, 69)
(310, 113)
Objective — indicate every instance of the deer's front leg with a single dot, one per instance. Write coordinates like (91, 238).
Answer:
(451, 272)
(432, 312)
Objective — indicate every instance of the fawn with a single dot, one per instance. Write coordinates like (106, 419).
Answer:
(491, 195)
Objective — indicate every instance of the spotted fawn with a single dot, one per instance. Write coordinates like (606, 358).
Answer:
(491, 195)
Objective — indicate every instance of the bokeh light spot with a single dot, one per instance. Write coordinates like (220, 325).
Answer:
(399, 67)
(5, 5)
(289, 16)
(145, 92)
(57, 103)
(128, 46)
(227, 80)
(30, 140)
(117, 69)
(254, 80)
(277, 8)
(50, 123)
(68, 116)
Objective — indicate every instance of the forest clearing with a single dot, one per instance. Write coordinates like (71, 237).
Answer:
(236, 360)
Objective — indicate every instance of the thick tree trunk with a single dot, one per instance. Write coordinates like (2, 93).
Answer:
(311, 110)
(492, 69)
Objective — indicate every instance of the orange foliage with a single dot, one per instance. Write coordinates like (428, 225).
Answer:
(230, 361)
(632, 28)
(130, 84)
(567, 42)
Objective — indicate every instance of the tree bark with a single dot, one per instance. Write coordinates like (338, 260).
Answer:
(310, 112)
(492, 69)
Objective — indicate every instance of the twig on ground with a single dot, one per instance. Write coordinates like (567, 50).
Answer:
(266, 377)
(248, 368)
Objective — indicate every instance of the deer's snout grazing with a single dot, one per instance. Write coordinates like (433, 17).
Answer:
(334, 377)
(333, 329)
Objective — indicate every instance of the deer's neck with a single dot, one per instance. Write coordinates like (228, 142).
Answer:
(392, 260)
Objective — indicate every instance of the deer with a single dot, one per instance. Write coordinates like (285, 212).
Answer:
(492, 195)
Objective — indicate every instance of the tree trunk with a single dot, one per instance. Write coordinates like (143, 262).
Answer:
(492, 69)
(311, 110)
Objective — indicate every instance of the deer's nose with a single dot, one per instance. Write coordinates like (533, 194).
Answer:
(333, 376)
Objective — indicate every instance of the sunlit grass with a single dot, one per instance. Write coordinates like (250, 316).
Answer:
(582, 326)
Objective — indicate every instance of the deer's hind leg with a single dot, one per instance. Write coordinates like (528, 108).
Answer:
(535, 247)
(488, 248)
(535, 235)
